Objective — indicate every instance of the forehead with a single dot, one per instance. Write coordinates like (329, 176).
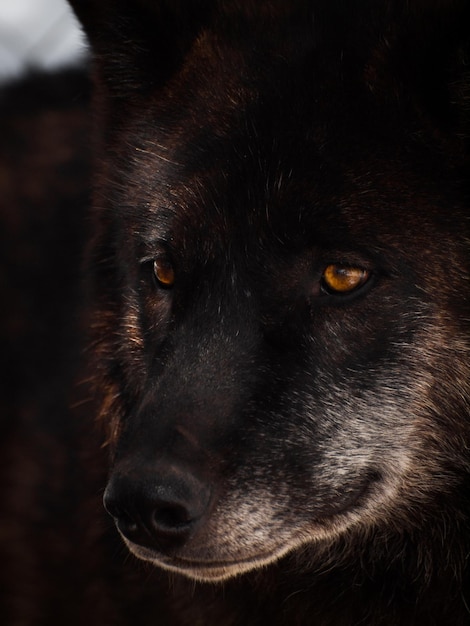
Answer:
(246, 144)
(241, 188)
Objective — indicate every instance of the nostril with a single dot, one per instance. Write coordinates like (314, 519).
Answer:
(171, 518)
(123, 519)
(159, 515)
(128, 526)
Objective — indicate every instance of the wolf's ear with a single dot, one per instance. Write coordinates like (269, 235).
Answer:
(137, 44)
(102, 18)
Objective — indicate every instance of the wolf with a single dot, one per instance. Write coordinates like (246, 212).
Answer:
(281, 326)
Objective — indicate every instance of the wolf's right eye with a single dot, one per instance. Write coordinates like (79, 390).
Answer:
(163, 272)
(343, 279)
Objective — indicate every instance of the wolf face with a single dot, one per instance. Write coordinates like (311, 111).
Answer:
(281, 262)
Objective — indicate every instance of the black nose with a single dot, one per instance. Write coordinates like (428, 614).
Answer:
(157, 511)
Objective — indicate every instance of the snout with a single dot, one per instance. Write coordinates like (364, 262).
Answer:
(157, 508)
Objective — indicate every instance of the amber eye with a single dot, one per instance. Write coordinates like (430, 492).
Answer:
(342, 279)
(164, 272)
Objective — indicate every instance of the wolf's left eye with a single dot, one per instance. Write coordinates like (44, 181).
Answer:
(342, 279)
(164, 272)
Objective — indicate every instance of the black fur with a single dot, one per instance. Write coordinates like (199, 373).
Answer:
(303, 454)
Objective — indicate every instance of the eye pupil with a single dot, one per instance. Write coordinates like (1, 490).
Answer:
(164, 272)
(343, 278)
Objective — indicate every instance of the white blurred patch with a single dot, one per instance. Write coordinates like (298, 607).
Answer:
(38, 34)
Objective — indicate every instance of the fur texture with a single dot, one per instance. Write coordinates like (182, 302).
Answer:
(253, 413)
(286, 448)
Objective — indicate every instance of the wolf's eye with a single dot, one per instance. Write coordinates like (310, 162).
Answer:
(342, 279)
(164, 272)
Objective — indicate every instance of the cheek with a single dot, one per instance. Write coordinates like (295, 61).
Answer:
(340, 431)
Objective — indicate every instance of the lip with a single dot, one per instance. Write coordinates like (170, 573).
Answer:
(218, 570)
(213, 570)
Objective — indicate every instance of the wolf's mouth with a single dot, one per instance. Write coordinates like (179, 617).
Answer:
(219, 569)
(212, 571)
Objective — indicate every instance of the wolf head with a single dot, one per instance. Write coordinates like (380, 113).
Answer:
(281, 269)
